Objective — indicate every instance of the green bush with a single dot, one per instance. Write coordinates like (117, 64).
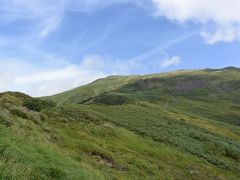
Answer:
(232, 153)
(4, 120)
(38, 104)
(112, 99)
(19, 113)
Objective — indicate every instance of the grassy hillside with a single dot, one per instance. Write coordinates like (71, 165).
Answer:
(179, 125)
(93, 89)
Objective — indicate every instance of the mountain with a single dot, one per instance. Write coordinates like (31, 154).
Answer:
(177, 125)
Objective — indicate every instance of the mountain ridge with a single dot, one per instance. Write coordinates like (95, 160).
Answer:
(121, 80)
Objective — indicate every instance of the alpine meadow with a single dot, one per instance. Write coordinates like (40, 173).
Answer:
(119, 90)
(127, 127)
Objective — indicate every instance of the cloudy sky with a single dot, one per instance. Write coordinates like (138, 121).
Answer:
(49, 46)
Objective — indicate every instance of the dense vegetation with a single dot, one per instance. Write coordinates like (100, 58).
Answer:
(179, 125)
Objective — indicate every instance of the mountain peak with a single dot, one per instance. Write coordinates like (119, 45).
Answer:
(231, 68)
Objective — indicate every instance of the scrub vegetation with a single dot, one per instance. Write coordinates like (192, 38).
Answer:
(178, 125)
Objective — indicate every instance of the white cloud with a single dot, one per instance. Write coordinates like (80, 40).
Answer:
(225, 34)
(108, 65)
(220, 11)
(55, 80)
(42, 80)
(47, 15)
(5, 81)
(224, 14)
(49, 75)
(172, 61)
(47, 79)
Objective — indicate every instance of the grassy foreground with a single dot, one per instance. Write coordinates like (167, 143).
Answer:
(181, 125)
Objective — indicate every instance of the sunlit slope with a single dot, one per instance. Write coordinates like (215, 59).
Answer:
(198, 83)
(93, 89)
(40, 141)
(196, 112)
(178, 125)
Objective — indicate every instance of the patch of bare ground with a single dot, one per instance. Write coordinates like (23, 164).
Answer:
(107, 161)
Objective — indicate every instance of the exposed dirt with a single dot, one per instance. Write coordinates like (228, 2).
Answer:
(107, 161)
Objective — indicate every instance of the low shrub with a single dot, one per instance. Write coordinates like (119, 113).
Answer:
(3, 149)
(38, 104)
(232, 153)
(112, 99)
(4, 120)
(19, 113)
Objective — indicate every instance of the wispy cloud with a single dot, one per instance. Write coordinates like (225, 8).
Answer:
(40, 73)
(49, 75)
(172, 61)
(45, 16)
(17, 75)
(57, 76)
(160, 50)
(48, 15)
(48, 25)
(40, 80)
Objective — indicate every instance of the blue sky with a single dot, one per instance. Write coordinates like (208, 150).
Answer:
(47, 47)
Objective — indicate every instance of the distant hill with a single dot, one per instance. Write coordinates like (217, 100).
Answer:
(209, 81)
(177, 125)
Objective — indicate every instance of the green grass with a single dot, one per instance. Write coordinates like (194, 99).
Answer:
(180, 125)
(92, 90)
(71, 143)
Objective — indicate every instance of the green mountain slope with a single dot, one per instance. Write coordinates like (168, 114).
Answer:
(93, 89)
(179, 125)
